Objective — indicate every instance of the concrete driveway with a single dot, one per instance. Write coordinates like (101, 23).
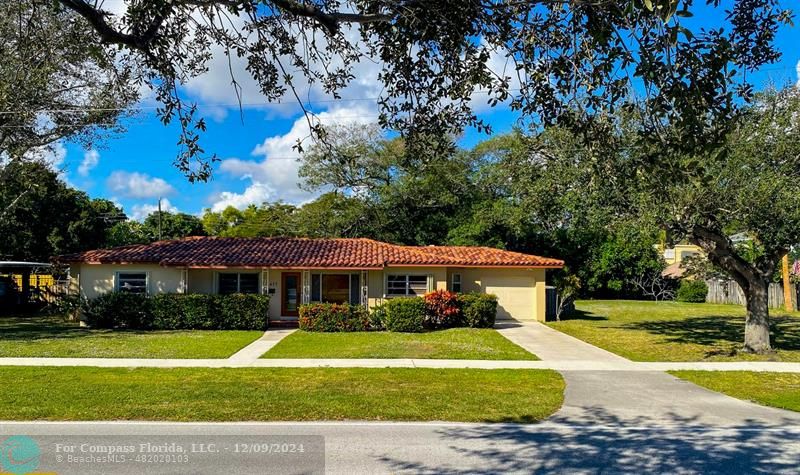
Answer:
(634, 398)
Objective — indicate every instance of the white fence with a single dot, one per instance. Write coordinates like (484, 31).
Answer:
(728, 291)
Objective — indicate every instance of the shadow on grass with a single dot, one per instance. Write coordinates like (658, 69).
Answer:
(720, 330)
(32, 328)
(598, 442)
(583, 315)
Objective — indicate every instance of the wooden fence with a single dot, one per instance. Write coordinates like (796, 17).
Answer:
(728, 291)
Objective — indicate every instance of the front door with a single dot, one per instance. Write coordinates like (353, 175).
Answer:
(290, 294)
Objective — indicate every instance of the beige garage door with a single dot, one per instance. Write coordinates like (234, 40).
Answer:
(516, 295)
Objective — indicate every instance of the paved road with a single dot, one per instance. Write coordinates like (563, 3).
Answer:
(440, 448)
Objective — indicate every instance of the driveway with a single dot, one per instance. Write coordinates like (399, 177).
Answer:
(630, 397)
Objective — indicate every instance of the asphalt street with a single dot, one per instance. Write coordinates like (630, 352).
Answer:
(359, 447)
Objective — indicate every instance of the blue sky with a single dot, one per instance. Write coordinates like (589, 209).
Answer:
(258, 163)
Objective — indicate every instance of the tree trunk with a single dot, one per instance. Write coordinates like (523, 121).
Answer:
(756, 327)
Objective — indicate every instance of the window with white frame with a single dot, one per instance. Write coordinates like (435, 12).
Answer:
(402, 285)
(132, 282)
(455, 283)
(336, 288)
(237, 283)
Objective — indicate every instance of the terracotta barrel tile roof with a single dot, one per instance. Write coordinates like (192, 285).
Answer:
(304, 252)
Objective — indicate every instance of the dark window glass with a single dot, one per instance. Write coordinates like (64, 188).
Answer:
(316, 288)
(355, 289)
(248, 283)
(335, 288)
(228, 283)
(417, 284)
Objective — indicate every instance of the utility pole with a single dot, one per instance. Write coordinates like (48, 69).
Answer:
(787, 289)
(159, 219)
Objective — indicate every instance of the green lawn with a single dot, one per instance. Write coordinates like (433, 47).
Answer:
(770, 389)
(278, 394)
(454, 343)
(54, 337)
(675, 331)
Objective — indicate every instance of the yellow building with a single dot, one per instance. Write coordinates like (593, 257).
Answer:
(677, 254)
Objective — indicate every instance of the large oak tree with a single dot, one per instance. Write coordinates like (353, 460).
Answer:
(568, 60)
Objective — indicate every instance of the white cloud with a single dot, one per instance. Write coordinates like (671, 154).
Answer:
(90, 160)
(141, 211)
(256, 193)
(797, 68)
(275, 177)
(52, 155)
(137, 185)
(216, 94)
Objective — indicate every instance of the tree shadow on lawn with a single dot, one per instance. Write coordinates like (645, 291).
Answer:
(720, 330)
(32, 328)
(583, 315)
(599, 442)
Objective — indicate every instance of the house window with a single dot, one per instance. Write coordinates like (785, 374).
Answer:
(455, 285)
(335, 288)
(402, 285)
(316, 287)
(133, 282)
(237, 283)
(355, 289)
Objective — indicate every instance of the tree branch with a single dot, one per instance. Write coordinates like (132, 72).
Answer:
(97, 19)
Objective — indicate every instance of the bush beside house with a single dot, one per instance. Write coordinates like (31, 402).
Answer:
(405, 314)
(333, 317)
(694, 291)
(178, 311)
(478, 310)
(440, 309)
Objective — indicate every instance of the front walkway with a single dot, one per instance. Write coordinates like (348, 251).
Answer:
(253, 351)
(639, 394)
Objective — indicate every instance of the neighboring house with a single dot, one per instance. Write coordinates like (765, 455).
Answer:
(675, 256)
(294, 271)
(680, 252)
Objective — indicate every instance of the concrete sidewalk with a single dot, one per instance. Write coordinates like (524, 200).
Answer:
(253, 351)
(249, 362)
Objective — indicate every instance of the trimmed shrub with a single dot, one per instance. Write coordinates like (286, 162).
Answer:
(333, 317)
(442, 309)
(377, 318)
(118, 309)
(179, 311)
(405, 314)
(692, 291)
(242, 311)
(478, 310)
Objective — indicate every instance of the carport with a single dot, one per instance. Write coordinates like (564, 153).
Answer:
(10, 295)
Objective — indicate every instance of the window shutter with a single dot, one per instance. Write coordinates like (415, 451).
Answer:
(430, 283)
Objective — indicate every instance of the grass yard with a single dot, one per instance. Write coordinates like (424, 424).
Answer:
(278, 394)
(770, 389)
(54, 337)
(454, 343)
(676, 331)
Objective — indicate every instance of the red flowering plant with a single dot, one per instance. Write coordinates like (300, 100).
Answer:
(442, 309)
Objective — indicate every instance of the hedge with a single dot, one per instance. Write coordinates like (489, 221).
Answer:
(178, 311)
(692, 291)
(478, 310)
(405, 314)
(333, 317)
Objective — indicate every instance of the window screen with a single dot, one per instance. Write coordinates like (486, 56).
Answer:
(133, 282)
